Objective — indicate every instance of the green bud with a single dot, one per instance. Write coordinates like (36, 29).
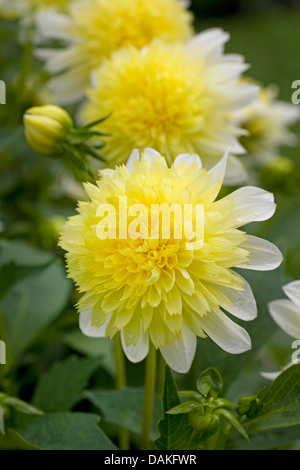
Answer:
(203, 421)
(210, 382)
(46, 127)
(250, 405)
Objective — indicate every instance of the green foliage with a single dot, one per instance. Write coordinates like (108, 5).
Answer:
(11, 274)
(280, 406)
(210, 382)
(36, 299)
(8, 137)
(7, 402)
(124, 407)
(91, 347)
(67, 431)
(60, 388)
(207, 413)
(12, 440)
(176, 433)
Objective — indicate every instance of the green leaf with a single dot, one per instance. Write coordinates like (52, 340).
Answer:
(60, 388)
(296, 445)
(281, 403)
(23, 254)
(175, 431)
(233, 421)
(282, 438)
(250, 406)
(102, 347)
(22, 406)
(185, 407)
(35, 301)
(124, 407)
(9, 137)
(11, 274)
(67, 431)
(12, 440)
(95, 123)
(2, 423)
(210, 382)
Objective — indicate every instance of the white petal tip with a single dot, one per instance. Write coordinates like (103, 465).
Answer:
(85, 324)
(138, 352)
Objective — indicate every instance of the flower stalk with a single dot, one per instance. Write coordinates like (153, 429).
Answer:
(124, 440)
(150, 379)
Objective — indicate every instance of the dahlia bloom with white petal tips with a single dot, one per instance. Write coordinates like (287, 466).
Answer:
(173, 98)
(91, 30)
(169, 291)
(286, 312)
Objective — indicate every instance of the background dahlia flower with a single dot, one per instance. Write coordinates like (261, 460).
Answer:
(168, 291)
(267, 122)
(286, 314)
(173, 98)
(92, 29)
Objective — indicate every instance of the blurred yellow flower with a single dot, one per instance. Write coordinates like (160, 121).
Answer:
(173, 98)
(267, 122)
(168, 291)
(96, 28)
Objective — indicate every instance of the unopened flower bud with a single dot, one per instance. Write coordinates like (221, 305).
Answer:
(46, 127)
(203, 421)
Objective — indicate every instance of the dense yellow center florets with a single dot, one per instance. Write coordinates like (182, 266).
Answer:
(103, 26)
(161, 98)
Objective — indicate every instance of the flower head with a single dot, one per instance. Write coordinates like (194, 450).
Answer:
(173, 98)
(45, 127)
(266, 122)
(167, 290)
(96, 28)
(286, 312)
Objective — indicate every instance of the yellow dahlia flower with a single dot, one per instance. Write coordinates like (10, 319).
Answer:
(266, 122)
(173, 98)
(94, 29)
(167, 290)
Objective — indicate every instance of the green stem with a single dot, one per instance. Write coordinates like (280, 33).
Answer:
(26, 62)
(150, 375)
(124, 440)
(218, 440)
(160, 375)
